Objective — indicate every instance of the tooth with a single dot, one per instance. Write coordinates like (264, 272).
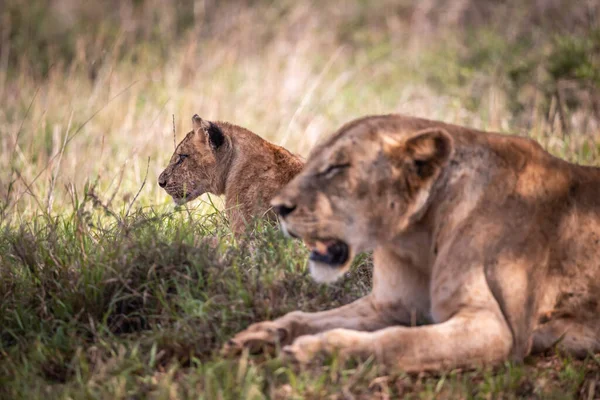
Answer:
(321, 247)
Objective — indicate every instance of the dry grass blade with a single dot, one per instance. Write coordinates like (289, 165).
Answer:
(140, 189)
(174, 136)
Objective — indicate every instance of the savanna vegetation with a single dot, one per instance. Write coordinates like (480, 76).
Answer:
(107, 290)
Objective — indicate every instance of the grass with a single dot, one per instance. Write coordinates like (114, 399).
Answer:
(97, 307)
(109, 291)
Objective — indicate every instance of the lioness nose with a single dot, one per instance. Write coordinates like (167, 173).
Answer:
(283, 209)
(162, 182)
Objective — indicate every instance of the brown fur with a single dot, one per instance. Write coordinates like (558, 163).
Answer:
(225, 159)
(490, 240)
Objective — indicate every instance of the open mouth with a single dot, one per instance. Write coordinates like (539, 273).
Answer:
(332, 252)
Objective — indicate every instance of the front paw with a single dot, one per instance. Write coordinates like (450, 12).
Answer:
(260, 337)
(343, 343)
(304, 349)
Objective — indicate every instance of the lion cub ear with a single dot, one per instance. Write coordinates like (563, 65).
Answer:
(425, 151)
(213, 132)
(199, 123)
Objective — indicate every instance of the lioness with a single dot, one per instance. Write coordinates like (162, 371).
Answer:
(488, 238)
(222, 158)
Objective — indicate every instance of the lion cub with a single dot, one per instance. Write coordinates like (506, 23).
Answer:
(222, 158)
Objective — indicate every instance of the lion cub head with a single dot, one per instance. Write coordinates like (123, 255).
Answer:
(199, 164)
(360, 189)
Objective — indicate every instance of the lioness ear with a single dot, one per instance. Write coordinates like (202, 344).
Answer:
(213, 132)
(426, 151)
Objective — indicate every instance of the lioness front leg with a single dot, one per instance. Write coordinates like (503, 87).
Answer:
(362, 315)
(399, 297)
(471, 337)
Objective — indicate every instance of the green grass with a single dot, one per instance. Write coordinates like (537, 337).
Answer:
(97, 306)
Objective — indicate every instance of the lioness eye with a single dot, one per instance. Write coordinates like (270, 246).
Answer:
(333, 169)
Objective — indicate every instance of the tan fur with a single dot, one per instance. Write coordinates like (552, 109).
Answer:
(486, 239)
(245, 168)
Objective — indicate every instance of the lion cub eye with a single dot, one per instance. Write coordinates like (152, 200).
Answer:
(181, 158)
(332, 170)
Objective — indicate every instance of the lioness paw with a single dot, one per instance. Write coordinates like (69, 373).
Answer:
(259, 337)
(304, 349)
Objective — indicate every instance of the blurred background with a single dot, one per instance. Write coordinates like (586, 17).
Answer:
(89, 89)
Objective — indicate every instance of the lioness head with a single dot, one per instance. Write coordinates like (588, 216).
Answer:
(199, 163)
(360, 189)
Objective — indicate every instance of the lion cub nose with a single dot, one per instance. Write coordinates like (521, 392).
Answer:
(283, 209)
(162, 182)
